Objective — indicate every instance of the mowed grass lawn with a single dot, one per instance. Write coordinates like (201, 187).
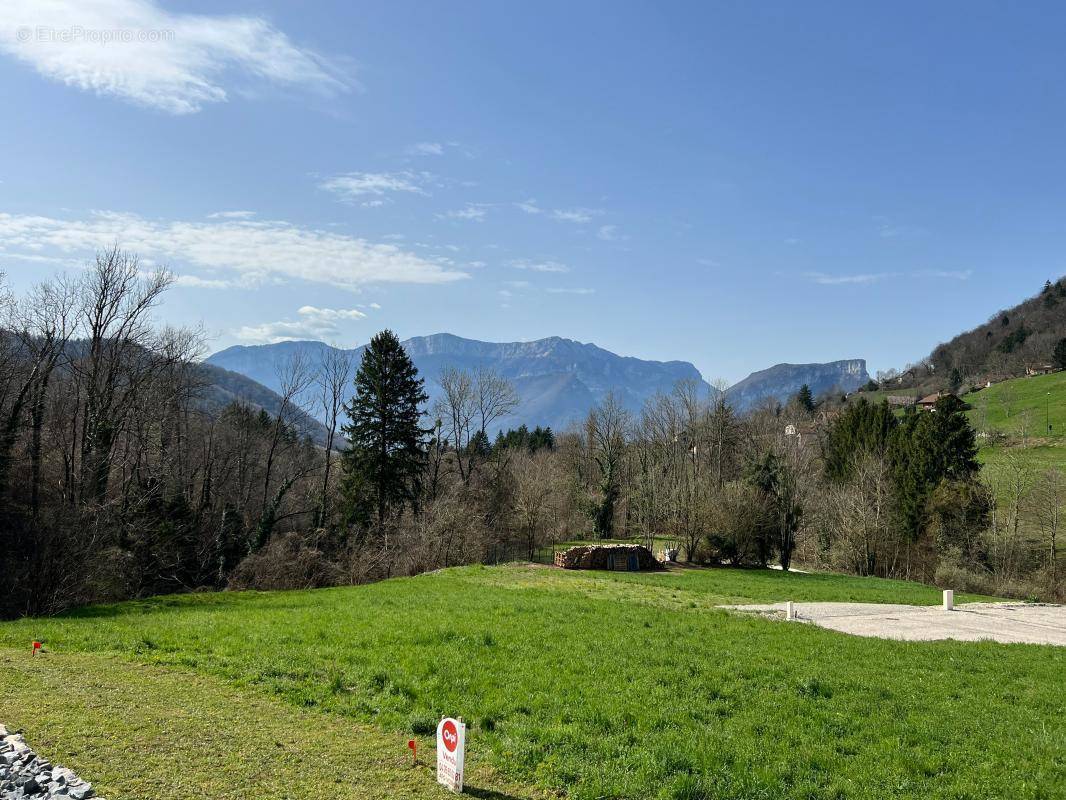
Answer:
(586, 685)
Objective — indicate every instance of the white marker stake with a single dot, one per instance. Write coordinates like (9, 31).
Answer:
(949, 599)
(790, 611)
(451, 745)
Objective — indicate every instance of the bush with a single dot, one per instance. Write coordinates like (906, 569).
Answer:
(287, 562)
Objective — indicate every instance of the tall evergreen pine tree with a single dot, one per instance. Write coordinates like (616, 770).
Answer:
(384, 462)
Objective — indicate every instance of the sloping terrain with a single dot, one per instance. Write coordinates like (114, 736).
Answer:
(220, 387)
(591, 685)
(1024, 334)
(783, 381)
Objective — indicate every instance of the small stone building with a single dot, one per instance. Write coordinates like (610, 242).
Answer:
(614, 557)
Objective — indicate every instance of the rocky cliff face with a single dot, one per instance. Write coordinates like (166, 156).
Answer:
(782, 381)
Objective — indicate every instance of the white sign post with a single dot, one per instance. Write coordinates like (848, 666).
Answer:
(451, 745)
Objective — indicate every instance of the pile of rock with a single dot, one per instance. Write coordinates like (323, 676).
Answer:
(24, 775)
(618, 557)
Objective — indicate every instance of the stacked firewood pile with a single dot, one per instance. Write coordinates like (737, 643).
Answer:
(618, 557)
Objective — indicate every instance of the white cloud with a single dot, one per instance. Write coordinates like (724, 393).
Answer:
(138, 52)
(313, 323)
(251, 250)
(572, 291)
(231, 215)
(426, 149)
(835, 280)
(579, 215)
(609, 233)
(196, 282)
(472, 212)
(826, 279)
(949, 274)
(540, 266)
(350, 185)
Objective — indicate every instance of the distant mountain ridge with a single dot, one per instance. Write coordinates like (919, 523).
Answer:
(557, 379)
(783, 381)
(221, 387)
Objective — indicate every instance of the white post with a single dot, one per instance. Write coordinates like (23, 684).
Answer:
(790, 611)
(949, 599)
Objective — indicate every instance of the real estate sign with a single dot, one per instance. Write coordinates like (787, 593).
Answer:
(451, 744)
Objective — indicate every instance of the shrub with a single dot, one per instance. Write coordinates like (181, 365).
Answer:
(286, 562)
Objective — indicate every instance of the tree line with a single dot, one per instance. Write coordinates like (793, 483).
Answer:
(119, 479)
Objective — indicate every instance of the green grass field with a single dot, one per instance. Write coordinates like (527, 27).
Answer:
(1004, 406)
(587, 685)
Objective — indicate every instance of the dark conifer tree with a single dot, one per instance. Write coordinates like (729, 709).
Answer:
(863, 428)
(384, 462)
(805, 398)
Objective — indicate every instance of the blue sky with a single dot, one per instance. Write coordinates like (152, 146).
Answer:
(733, 184)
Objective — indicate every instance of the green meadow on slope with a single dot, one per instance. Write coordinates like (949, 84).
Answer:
(1022, 404)
(594, 685)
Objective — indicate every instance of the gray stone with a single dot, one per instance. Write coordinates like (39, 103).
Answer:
(26, 776)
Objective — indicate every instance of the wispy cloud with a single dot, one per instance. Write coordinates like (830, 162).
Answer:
(827, 279)
(947, 274)
(887, 228)
(250, 250)
(426, 149)
(609, 233)
(355, 185)
(540, 266)
(196, 282)
(311, 323)
(231, 215)
(138, 52)
(571, 291)
(836, 280)
(578, 215)
(473, 212)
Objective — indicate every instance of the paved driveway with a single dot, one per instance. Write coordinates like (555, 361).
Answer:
(970, 622)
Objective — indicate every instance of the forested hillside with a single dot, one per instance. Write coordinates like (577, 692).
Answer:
(1031, 333)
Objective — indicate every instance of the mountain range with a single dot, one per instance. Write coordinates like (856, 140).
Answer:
(557, 380)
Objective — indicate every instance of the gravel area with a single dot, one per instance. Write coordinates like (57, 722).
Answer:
(1033, 623)
(24, 774)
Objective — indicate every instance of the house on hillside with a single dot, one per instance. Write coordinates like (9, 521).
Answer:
(929, 401)
(1039, 369)
(800, 431)
(908, 376)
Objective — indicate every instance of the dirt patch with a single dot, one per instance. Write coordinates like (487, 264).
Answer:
(969, 622)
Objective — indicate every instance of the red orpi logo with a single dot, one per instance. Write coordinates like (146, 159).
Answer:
(450, 735)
